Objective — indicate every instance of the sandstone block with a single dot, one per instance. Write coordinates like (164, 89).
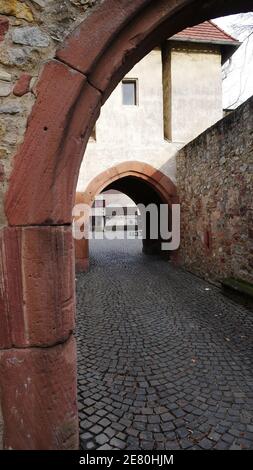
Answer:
(23, 85)
(38, 398)
(5, 89)
(37, 298)
(57, 133)
(1, 173)
(4, 26)
(82, 255)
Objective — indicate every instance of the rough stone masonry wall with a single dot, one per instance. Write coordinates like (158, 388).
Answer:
(215, 182)
(30, 32)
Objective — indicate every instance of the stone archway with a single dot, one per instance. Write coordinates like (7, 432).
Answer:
(38, 363)
(155, 179)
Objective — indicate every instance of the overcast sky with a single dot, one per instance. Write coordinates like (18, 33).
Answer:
(238, 86)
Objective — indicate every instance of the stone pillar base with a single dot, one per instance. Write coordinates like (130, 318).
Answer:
(38, 379)
(38, 398)
(82, 256)
(82, 265)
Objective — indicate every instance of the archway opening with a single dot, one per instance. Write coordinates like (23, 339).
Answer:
(153, 194)
(115, 229)
(142, 193)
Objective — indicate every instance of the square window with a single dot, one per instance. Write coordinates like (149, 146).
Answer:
(129, 92)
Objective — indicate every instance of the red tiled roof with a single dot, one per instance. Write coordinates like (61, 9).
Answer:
(207, 31)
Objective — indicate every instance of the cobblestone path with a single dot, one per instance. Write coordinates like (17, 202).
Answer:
(165, 360)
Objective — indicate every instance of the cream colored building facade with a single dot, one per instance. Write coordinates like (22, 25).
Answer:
(178, 94)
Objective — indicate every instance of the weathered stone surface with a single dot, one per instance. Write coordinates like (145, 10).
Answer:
(30, 36)
(20, 57)
(215, 181)
(38, 396)
(38, 295)
(3, 151)
(57, 132)
(16, 8)
(41, 3)
(4, 26)
(5, 89)
(11, 128)
(82, 54)
(1, 172)
(84, 3)
(2, 128)
(10, 108)
(23, 85)
(5, 76)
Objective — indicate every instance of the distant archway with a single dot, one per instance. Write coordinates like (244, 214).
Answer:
(140, 181)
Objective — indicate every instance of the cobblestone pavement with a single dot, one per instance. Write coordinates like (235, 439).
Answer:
(165, 360)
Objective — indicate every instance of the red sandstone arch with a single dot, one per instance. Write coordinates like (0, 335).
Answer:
(158, 180)
(37, 304)
(161, 183)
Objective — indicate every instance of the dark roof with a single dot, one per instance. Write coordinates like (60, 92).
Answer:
(209, 33)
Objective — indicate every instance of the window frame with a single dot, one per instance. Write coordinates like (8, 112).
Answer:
(135, 81)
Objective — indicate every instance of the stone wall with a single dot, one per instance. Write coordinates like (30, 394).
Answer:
(215, 183)
(30, 32)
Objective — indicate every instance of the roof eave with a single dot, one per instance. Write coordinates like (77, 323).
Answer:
(228, 48)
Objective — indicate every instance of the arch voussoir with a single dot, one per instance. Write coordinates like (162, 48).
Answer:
(59, 127)
(162, 183)
(81, 50)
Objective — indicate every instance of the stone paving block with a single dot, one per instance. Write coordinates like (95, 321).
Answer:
(105, 447)
(110, 432)
(147, 445)
(104, 422)
(117, 443)
(96, 429)
(101, 439)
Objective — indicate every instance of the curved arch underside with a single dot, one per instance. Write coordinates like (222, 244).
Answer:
(138, 190)
(129, 178)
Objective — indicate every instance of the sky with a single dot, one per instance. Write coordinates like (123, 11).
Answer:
(238, 84)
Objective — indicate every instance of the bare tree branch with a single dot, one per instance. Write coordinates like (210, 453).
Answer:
(243, 30)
